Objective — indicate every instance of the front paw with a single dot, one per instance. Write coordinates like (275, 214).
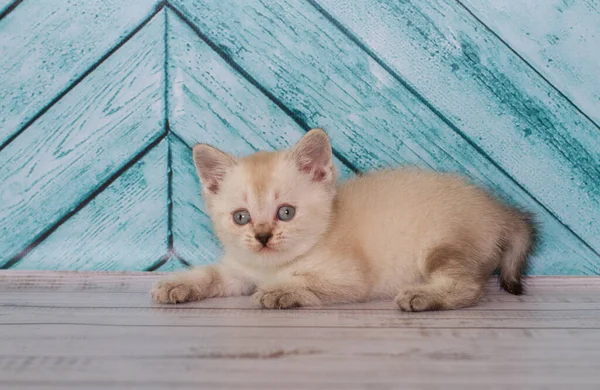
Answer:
(173, 291)
(416, 300)
(283, 298)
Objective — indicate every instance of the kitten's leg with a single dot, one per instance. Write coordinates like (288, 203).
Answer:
(204, 282)
(310, 289)
(451, 280)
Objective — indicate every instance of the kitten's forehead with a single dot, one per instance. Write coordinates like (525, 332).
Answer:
(261, 170)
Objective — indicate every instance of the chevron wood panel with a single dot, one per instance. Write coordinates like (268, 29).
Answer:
(105, 100)
(497, 101)
(560, 45)
(84, 139)
(123, 228)
(48, 44)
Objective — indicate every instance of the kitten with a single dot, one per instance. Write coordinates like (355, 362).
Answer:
(292, 237)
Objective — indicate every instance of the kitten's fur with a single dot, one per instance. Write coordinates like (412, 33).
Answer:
(429, 239)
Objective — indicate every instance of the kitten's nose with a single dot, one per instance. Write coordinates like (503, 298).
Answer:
(263, 238)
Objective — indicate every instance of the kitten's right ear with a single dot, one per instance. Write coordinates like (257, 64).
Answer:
(211, 165)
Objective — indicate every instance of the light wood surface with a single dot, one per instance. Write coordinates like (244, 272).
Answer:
(61, 330)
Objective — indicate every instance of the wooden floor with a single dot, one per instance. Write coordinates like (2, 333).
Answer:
(100, 331)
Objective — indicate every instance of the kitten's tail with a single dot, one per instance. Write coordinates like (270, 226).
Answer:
(519, 242)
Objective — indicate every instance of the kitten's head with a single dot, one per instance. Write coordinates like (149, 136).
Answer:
(270, 207)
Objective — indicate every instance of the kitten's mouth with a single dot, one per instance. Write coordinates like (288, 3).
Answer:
(266, 249)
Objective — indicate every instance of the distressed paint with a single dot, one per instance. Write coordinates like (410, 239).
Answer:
(4, 4)
(562, 44)
(111, 116)
(491, 96)
(123, 228)
(46, 45)
(95, 144)
(193, 238)
(374, 119)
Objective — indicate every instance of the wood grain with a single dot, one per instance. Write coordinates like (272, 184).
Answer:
(82, 140)
(4, 4)
(209, 102)
(556, 37)
(373, 118)
(68, 337)
(193, 237)
(496, 100)
(46, 45)
(123, 228)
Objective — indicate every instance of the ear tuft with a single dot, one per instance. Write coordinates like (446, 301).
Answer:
(211, 165)
(313, 155)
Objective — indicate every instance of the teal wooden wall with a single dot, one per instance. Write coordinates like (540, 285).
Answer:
(101, 102)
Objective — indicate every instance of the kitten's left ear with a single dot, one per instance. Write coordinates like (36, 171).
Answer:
(211, 165)
(313, 156)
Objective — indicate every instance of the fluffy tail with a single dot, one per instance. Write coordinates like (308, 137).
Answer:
(519, 242)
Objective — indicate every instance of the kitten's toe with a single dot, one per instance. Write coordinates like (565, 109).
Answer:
(170, 291)
(413, 301)
(276, 299)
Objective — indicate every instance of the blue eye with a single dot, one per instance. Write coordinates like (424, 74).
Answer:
(241, 217)
(286, 213)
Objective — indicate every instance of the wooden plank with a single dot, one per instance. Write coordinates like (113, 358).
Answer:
(539, 300)
(496, 100)
(321, 371)
(167, 317)
(4, 4)
(373, 118)
(123, 228)
(46, 45)
(193, 237)
(210, 102)
(82, 140)
(132, 282)
(554, 37)
(172, 265)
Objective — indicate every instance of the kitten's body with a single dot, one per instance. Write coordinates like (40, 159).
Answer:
(430, 239)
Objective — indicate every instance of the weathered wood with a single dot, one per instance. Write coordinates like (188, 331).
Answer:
(77, 343)
(123, 228)
(209, 102)
(172, 265)
(556, 37)
(498, 102)
(4, 4)
(86, 137)
(193, 237)
(372, 117)
(46, 45)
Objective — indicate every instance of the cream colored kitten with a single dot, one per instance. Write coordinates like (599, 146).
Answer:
(293, 238)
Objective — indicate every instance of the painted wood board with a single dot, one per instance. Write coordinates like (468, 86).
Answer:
(373, 119)
(498, 102)
(82, 140)
(123, 228)
(4, 4)
(193, 237)
(47, 45)
(172, 265)
(209, 102)
(558, 38)
(79, 344)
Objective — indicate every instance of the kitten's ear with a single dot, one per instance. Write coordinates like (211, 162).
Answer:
(313, 155)
(211, 165)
